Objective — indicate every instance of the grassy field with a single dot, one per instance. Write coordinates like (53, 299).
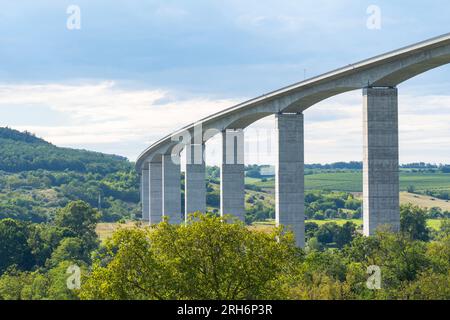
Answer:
(105, 230)
(342, 181)
(352, 181)
(424, 201)
(432, 223)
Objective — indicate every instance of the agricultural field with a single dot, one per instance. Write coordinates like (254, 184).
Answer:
(341, 181)
(424, 201)
(351, 181)
(105, 230)
(267, 225)
(347, 181)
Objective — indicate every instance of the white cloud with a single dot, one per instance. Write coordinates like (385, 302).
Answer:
(105, 114)
(105, 117)
(333, 128)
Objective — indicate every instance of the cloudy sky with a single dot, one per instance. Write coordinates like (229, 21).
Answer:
(135, 70)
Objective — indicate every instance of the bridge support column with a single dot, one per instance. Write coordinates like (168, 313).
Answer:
(195, 189)
(145, 195)
(232, 184)
(381, 163)
(289, 181)
(155, 191)
(171, 188)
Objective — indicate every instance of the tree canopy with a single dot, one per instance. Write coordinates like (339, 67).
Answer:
(207, 259)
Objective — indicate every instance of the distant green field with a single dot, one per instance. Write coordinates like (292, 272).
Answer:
(424, 181)
(262, 183)
(432, 223)
(352, 181)
(105, 230)
(342, 181)
(339, 222)
(252, 180)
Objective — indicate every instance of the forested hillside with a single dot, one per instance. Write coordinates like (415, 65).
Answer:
(22, 151)
(37, 177)
(42, 185)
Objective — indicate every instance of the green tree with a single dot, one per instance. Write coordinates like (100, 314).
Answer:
(314, 244)
(57, 281)
(43, 239)
(428, 286)
(345, 234)
(327, 232)
(439, 254)
(14, 249)
(400, 258)
(14, 285)
(210, 258)
(311, 229)
(70, 249)
(445, 228)
(413, 222)
(81, 220)
(38, 285)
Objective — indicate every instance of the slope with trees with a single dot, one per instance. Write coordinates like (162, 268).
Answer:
(37, 178)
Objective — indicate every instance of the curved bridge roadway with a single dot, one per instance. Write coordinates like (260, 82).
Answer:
(377, 76)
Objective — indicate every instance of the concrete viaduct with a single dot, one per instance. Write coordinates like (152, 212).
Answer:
(378, 78)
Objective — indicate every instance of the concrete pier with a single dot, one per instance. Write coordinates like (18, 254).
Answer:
(232, 174)
(380, 164)
(171, 188)
(377, 76)
(195, 187)
(289, 181)
(155, 191)
(145, 195)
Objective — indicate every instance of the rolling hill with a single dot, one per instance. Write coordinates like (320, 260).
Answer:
(37, 178)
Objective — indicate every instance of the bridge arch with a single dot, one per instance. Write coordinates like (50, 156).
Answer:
(378, 76)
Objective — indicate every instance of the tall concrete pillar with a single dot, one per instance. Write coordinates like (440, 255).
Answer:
(155, 191)
(232, 174)
(289, 181)
(145, 195)
(195, 189)
(381, 163)
(171, 188)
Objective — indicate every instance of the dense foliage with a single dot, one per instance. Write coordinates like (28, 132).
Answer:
(51, 200)
(37, 178)
(329, 205)
(213, 258)
(440, 194)
(209, 259)
(34, 258)
(24, 152)
(329, 235)
(353, 165)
